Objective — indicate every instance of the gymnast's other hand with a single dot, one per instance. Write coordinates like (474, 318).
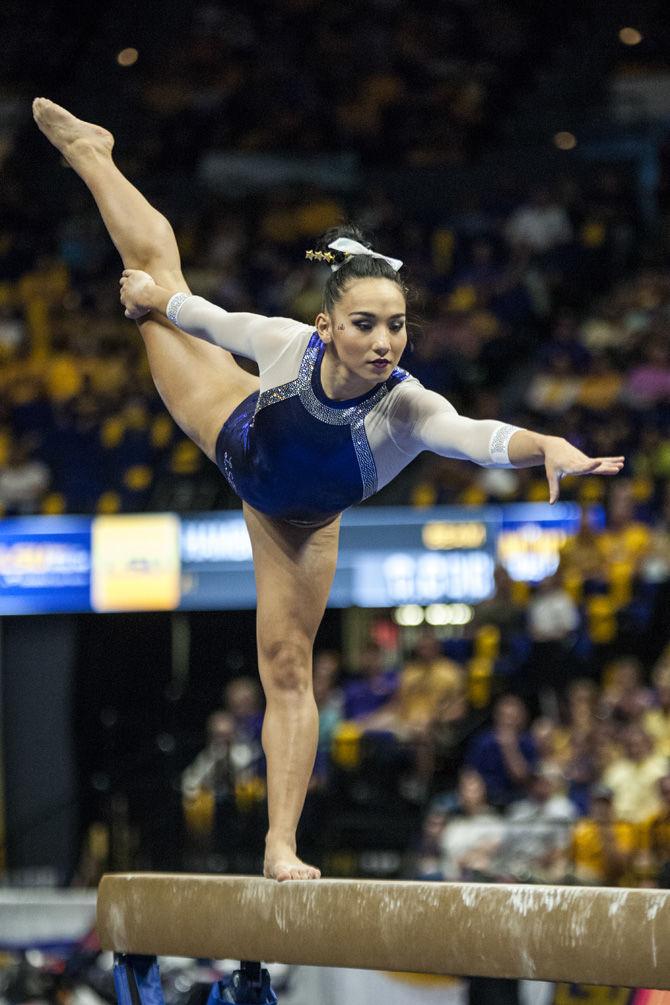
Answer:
(561, 458)
(137, 293)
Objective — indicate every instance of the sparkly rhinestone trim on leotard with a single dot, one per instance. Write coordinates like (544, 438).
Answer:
(353, 416)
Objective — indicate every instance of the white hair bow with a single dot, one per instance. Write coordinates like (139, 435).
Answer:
(351, 247)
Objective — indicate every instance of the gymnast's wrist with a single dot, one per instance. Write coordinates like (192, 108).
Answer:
(541, 443)
(527, 448)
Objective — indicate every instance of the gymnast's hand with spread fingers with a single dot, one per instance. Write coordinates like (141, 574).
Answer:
(140, 294)
(560, 458)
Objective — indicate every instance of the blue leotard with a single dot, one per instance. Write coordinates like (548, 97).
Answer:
(273, 447)
(291, 452)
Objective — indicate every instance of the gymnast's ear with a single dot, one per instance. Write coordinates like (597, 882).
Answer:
(324, 326)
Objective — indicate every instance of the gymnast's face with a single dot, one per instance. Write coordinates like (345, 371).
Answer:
(366, 331)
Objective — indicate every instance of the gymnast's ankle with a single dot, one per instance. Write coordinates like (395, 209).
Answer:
(284, 840)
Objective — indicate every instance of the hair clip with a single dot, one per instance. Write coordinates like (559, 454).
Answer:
(320, 256)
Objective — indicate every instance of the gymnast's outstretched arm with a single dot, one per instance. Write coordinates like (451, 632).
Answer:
(424, 420)
(251, 335)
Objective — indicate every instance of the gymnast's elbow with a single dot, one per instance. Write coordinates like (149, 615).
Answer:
(459, 438)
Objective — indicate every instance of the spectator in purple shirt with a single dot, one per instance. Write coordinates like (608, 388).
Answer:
(504, 755)
(373, 686)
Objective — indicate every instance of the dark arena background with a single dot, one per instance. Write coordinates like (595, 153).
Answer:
(492, 673)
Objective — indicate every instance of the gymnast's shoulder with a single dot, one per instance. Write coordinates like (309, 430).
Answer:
(410, 402)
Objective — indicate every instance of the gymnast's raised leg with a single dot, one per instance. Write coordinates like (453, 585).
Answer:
(201, 385)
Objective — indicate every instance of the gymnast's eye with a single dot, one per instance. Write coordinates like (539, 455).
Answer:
(397, 326)
(364, 326)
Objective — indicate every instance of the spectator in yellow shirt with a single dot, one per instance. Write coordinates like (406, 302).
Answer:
(625, 540)
(602, 847)
(654, 859)
(431, 690)
(633, 777)
(427, 682)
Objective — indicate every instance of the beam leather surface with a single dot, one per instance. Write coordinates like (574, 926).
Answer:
(580, 934)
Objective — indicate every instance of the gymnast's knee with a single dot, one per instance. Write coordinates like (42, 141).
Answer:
(155, 249)
(286, 666)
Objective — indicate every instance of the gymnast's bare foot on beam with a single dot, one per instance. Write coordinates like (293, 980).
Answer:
(68, 134)
(281, 862)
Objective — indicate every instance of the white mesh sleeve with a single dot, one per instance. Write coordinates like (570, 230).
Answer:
(252, 335)
(424, 420)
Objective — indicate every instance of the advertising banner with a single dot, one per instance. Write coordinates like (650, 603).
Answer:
(388, 556)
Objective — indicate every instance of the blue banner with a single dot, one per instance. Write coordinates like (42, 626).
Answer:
(45, 564)
(388, 556)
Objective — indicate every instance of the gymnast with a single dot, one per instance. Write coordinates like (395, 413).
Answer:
(331, 419)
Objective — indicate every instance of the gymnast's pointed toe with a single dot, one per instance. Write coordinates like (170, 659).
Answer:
(67, 133)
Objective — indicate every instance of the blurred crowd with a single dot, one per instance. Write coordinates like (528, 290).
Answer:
(536, 313)
(461, 785)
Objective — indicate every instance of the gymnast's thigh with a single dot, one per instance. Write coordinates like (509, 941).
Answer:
(294, 569)
(173, 279)
(200, 384)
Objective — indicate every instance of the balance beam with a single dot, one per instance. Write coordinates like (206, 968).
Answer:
(582, 935)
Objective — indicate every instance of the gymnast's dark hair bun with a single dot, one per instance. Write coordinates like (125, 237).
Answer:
(352, 266)
(344, 230)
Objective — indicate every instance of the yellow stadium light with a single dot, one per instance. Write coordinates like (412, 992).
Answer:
(127, 57)
(630, 36)
(565, 140)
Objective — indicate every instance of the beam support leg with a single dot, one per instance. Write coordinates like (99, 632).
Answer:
(137, 980)
(250, 985)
